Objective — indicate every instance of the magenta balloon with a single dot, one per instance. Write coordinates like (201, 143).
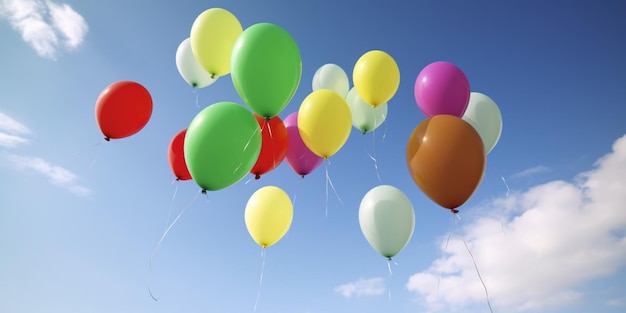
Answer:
(442, 88)
(299, 157)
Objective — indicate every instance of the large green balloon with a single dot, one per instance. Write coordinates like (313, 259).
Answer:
(221, 145)
(266, 68)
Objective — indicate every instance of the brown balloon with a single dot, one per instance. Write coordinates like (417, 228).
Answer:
(446, 159)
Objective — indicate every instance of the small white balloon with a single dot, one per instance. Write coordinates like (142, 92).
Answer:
(189, 68)
(331, 76)
(483, 113)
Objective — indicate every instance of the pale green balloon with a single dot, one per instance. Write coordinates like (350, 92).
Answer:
(365, 117)
(331, 76)
(387, 219)
(484, 115)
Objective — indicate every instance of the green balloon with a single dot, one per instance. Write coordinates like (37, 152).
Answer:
(222, 145)
(266, 67)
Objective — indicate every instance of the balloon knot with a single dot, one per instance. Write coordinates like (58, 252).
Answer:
(302, 176)
(177, 179)
(257, 176)
(454, 211)
(212, 75)
(203, 191)
(107, 138)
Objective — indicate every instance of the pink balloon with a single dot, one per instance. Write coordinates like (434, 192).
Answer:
(299, 157)
(442, 88)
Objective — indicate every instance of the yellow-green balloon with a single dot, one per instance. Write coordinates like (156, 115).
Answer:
(324, 122)
(213, 35)
(268, 215)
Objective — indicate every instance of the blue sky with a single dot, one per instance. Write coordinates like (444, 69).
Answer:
(81, 217)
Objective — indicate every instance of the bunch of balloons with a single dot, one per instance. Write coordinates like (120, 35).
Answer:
(446, 153)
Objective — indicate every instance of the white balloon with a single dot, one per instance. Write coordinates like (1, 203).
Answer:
(483, 113)
(189, 68)
(365, 117)
(331, 76)
(387, 219)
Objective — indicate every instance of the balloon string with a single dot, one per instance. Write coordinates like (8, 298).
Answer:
(505, 185)
(327, 179)
(83, 149)
(97, 145)
(445, 249)
(91, 164)
(507, 195)
(330, 182)
(258, 295)
(169, 213)
(295, 195)
(269, 129)
(475, 265)
(195, 91)
(390, 274)
(158, 246)
(384, 129)
(371, 156)
(245, 147)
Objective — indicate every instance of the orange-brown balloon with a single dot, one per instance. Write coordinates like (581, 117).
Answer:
(446, 159)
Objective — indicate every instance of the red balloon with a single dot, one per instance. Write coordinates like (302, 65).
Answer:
(176, 156)
(123, 109)
(446, 159)
(274, 144)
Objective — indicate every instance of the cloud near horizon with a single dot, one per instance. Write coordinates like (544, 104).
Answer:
(46, 26)
(534, 248)
(362, 287)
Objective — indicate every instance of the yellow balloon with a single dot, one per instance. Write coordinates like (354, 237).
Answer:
(324, 122)
(212, 38)
(268, 215)
(376, 77)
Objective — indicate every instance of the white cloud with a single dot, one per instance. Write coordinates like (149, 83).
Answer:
(534, 248)
(12, 126)
(57, 175)
(69, 23)
(11, 141)
(45, 25)
(532, 171)
(10, 131)
(616, 302)
(362, 287)
(11, 135)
